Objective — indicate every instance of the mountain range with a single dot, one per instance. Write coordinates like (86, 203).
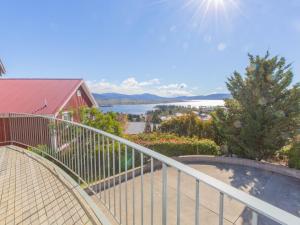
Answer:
(146, 98)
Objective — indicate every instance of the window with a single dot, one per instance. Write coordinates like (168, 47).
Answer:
(67, 116)
(78, 93)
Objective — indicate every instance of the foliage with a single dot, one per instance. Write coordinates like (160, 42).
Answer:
(264, 112)
(134, 118)
(155, 116)
(39, 149)
(95, 118)
(189, 125)
(294, 156)
(173, 145)
(147, 127)
(171, 109)
(154, 128)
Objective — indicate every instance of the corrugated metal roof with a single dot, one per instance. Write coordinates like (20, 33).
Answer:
(37, 96)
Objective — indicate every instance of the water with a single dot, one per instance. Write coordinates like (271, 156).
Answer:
(143, 108)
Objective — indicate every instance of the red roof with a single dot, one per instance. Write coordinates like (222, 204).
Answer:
(36, 96)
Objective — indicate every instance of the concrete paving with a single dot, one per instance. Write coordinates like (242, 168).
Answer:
(31, 194)
(281, 191)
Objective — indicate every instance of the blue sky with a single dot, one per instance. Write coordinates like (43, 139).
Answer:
(166, 47)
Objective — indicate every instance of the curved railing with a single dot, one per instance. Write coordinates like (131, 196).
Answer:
(131, 181)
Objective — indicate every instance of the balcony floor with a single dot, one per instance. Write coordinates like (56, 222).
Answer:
(31, 194)
(276, 189)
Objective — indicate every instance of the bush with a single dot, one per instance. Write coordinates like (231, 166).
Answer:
(189, 125)
(172, 145)
(108, 122)
(294, 156)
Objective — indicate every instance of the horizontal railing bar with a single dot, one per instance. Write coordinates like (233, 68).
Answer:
(251, 202)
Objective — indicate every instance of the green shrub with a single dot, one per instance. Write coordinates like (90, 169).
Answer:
(172, 145)
(294, 156)
(203, 147)
(108, 122)
(189, 125)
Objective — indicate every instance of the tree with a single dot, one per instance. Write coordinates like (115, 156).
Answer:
(147, 127)
(188, 125)
(155, 117)
(95, 118)
(263, 114)
(294, 155)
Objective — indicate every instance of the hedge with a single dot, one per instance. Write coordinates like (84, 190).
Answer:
(172, 145)
(294, 156)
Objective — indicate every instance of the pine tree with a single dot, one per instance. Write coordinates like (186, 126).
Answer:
(263, 114)
(147, 127)
(154, 127)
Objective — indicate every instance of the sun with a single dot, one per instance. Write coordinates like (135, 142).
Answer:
(219, 11)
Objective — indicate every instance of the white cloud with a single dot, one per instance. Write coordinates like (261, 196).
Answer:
(132, 86)
(150, 82)
(130, 83)
(221, 46)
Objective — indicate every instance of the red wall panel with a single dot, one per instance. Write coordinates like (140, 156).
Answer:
(75, 103)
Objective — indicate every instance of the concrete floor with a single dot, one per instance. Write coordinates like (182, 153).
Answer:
(31, 194)
(281, 191)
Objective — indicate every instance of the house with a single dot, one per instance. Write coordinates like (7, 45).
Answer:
(60, 98)
(204, 116)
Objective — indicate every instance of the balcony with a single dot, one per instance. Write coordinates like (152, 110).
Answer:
(59, 172)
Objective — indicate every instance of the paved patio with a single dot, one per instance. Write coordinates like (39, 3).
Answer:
(279, 190)
(31, 194)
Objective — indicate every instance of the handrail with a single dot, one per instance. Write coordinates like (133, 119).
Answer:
(85, 140)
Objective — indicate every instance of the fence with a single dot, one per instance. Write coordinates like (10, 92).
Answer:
(135, 184)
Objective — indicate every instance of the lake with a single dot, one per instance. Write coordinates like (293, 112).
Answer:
(143, 108)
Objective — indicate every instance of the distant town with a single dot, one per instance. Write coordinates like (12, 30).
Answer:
(108, 99)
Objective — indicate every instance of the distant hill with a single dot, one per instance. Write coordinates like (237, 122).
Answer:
(116, 98)
(218, 96)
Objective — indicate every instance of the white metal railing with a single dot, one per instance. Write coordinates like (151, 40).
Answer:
(104, 165)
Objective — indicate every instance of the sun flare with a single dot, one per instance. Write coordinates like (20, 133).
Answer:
(221, 11)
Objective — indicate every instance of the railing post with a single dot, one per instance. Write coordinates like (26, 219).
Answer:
(197, 203)
(152, 191)
(10, 131)
(221, 208)
(142, 188)
(4, 130)
(254, 219)
(178, 198)
(78, 155)
(53, 133)
(164, 193)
